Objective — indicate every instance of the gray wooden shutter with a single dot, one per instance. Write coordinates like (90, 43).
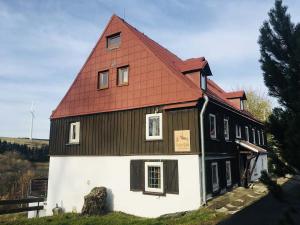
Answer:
(137, 175)
(171, 176)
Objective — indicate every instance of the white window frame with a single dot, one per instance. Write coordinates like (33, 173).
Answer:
(77, 133)
(263, 137)
(258, 134)
(216, 185)
(238, 131)
(160, 136)
(242, 104)
(226, 121)
(228, 166)
(247, 137)
(161, 166)
(253, 136)
(210, 126)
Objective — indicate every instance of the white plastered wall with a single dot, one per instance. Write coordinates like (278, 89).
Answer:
(72, 177)
(261, 164)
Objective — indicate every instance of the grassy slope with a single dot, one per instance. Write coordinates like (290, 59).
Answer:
(25, 141)
(203, 216)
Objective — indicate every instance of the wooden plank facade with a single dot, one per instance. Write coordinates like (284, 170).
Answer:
(123, 133)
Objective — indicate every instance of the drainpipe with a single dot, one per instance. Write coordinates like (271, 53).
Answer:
(203, 150)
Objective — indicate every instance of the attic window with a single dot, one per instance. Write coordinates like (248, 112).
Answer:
(103, 79)
(122, 76)
(203, 81)
(242, 104)
(113, 41)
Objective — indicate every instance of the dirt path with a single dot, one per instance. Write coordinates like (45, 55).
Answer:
(270, 211)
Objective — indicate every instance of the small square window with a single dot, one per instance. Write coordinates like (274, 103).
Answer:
(212, 126)
(74, 133)
(154, 126)
(122, 76)
(154, 181)
(215, 176)
(113, 41)
(226, 129)
(103, 80)
(228, 173)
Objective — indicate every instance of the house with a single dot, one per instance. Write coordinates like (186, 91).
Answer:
(154, 129)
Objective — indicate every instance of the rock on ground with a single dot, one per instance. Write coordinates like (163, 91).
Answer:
(94, 202)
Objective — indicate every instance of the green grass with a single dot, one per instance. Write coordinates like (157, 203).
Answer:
(198, 217)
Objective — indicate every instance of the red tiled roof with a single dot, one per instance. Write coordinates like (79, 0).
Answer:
(236, 94)
(83, 98)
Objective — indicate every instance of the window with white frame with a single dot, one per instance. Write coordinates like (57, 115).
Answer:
(154, 179)
(154, 126)
(253, 136)
(226, 129)
(238, 131)
(263, 137)
(228, 173)
(242, 104)
(215, 176)
(247, 133)
(212, 126)
(74, 133)
(258, 135)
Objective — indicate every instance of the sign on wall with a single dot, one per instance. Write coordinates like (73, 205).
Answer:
(182, 140)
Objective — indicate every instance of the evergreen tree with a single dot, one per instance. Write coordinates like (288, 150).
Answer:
(280, 61)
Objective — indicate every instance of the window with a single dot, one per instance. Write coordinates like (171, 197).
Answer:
(228, 173)
(247, 133)
(122, 76)
(215, 176)
(258, 134)
(113, 41)
(226, 129)
(74, 133)
(253, 135)
(238, 131)
(242, 104)
(212, 126)
(203, 81)
(263, 137)
(154, 177)
(103, 80)
(154, 126)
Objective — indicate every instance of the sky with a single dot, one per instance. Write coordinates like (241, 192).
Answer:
(43, 45)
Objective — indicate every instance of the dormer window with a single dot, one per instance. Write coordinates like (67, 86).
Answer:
(203, 81)
(242, 104)
(113, 41)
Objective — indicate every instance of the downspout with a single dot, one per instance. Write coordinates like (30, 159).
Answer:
(203, 150)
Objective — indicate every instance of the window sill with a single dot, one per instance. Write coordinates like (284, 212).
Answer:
(100, 89)
(155, 139)
(74, 143)
(154, 193)
(121, 85)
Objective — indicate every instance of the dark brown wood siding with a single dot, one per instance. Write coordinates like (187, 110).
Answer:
(218, 145)
(123, 133)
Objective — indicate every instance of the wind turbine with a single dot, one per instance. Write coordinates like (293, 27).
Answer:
(32, 117)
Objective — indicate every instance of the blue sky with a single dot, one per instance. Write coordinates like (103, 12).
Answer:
(43, 45)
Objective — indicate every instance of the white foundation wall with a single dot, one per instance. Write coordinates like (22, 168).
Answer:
(73, 177)
(261, 164)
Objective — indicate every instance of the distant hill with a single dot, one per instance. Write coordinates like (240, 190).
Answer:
(34, 143)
